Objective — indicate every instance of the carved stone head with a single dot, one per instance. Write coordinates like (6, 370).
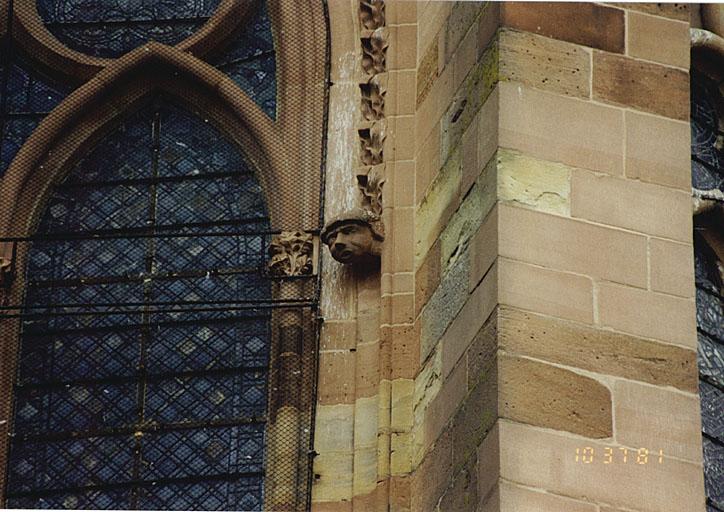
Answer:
(355, 237)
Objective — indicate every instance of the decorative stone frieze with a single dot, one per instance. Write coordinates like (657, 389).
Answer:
(373, 98)
(374, 51)
(370, 184)
(354, 237)
(372, 14)
(291, 254)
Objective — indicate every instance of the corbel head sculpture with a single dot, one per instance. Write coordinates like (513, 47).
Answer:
(355, 237)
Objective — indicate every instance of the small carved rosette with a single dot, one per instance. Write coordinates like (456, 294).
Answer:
(291, 254)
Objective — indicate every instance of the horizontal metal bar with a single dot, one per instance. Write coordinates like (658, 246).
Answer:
(251, 58)
(137, 304)
(127, 23)
(146, 232)
(130, 327)
(154, 311)
(152, 377)
(147, 427)
(153, 180)
(135, 483)
(142, 276)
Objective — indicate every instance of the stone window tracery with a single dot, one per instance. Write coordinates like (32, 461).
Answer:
(161, 340)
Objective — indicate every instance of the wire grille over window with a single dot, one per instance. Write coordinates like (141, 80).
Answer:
(158, 261)
(707, 175)
(110, 28)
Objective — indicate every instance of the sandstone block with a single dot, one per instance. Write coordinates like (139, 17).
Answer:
(439, 204)
(671, 487)
(462, 495)
(596, 350)
(472, 316)
(514, 498)
(444, 304)
(593, 25)
(475, 417)
(336, 378)
(549, 126)
(658, 419)
(677, 11)
(334, 426)
(427, 277)
(672, 267)
(570, 245)
(633, 205)
(401, 453)
(433, 474)
(479, 200)
(544, 63)
(335, 476)
(534, 183)
(642, 85)
(338, 335)
(482, 353)
(403, 391)
(545, 291)
(544, 395)
(484, 248)
(658, 39)
(664, 159)
(649, 314)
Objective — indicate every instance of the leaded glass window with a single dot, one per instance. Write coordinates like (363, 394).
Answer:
(142, 378)
(26, 97)
(708, 175)
(110, 28)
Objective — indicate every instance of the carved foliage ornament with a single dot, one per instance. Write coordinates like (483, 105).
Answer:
(291, 254)
(372, 14)
(372, 143)
(374, 50)
(370, 185)
(373, 98)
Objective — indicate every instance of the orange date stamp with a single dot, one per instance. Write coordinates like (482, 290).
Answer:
(618, 455)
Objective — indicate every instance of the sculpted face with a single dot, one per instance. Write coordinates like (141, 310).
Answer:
(352, 243)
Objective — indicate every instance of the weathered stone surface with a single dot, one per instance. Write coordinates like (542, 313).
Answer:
(433, 475)
(336, 378)
(588, 24)
(532, 182)
(427, 277)
(475, 417)
(481, 356)
(469, 98)
(334, 428)
(444, 304)
(335, 476)
(672, 267)
(642, 85)
(544, 395)
(544, 63)
(403, 391)
(678, 11)
(441, 201)
(462, 18)
(462, 495)
(606, 352)
(427, 71)
(484, 248)
(467, 219)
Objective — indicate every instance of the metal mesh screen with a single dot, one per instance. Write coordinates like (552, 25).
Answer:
(707, 170)
(159, 290)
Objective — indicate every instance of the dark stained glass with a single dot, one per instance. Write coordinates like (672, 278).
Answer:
(129, 405)
(110, 28)
(708, 174)
(25, 99)
(249, 60)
